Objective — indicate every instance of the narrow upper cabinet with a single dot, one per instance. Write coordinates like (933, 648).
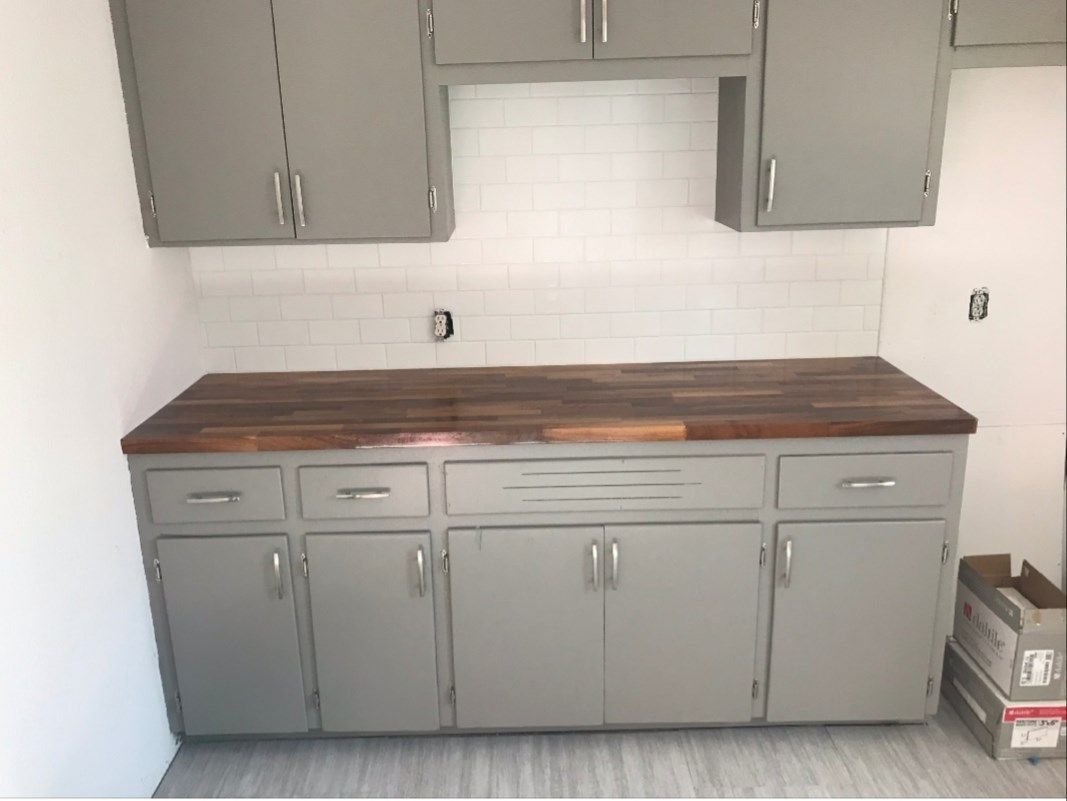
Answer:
(847, 111)
(996, 22)
(355, 125)
(485, 31)
(658, 28)
(207, 80)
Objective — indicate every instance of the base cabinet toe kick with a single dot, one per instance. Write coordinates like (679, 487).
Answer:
(551, 586)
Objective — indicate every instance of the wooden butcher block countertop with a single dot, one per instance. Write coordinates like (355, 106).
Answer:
(583, 403)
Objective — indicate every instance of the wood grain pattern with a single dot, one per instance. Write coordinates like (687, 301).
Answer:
(663, 402)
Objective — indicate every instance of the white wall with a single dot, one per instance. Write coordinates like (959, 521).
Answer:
(584, 233)
(95, 333)
(1000, 224)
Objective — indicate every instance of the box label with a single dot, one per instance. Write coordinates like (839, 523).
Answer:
(1037, 668)
(1036, 733)
(989, 639)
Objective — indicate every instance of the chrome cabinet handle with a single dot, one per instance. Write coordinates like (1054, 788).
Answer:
(595, 550)
(604, 21)
(614, 564)
(278, 197)
(278, 574)
(420, 562)
(787, 573)
(772, 173)
(868, 483)
(298, 188)
(583, 33)
(201, 498)
(362, 493)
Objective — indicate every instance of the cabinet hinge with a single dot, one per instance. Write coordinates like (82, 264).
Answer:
(433, 199)
(445, 564)
(452, 695)
(944, 552)
(178, 702)
(304, 564)
(755, 14)
(755, 688)
(152, 203)
(429, 23)
(929, 686)
(763, 555)
(159, 570)
(926, 184)
(316, 701)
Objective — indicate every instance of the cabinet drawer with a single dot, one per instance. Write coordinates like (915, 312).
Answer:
(215, 496)
(580, 485)
(878, 479)
(347, 491)
(486, 31)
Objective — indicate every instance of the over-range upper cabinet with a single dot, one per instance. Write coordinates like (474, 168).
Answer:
(487, 31)
(996, 22)
(847, 108)
(658, 28)
(355, 123)
(207, 79)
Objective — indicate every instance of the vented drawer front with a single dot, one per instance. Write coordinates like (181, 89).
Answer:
(353, 491)
(580, 485)
(215, 496)
(877, 479)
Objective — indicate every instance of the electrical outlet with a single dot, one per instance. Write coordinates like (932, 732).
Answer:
(979, 308)
(442, 324)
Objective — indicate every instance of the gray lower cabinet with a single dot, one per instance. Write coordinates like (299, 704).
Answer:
(484, 31)
(207, 80)
(853, 621)
(644, 29)
(528, 626)
(680, 622)
(846, 116)
(996, 22)
(373, 626)
(355, 123)
(229, 604)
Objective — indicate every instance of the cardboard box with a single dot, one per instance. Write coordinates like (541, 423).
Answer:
(1013, 626)
(1006, 729)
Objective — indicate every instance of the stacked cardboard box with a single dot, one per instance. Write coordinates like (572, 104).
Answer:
(1004, 671)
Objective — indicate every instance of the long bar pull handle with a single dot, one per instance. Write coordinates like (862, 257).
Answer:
(298, 188)
(595, 550)
(362, 493)
(278, 197)
(420, 563)
(614, 564)
(604, 21)
(868, 483)
(787, 573)
(583, 30)
(204, 498)
(278, 574)
(772, 173)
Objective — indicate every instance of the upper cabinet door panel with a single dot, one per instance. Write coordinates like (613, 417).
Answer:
(487, 31)
(993, 22)
(657, 28)
(351, 78)
(848, 98)
(208, 84)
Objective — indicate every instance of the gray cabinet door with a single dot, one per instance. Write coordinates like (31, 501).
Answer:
(994, 22)
(680, 622)
(853, 624)
(355, 124)
(527, 626)
(208, 84)
(847, 105)
(372, 618)
(485, 31)
(657, 28)
(233, 627)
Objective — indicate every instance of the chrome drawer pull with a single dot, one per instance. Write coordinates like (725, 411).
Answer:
(614, 564)
(772, 175)
(787, 573)
(420, 562)
(362, 494)
(200, 498)
(278, 197)
(868, 483)
(604, 21)
(583, 35)
(299, 188)
(595, 550)
(278, 575)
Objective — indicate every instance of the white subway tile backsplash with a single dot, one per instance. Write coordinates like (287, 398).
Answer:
(585, 232)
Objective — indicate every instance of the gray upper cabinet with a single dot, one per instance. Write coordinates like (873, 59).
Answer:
(232, 622)
(207, 79)
(656, 28)
(996, 22)
(853, 622)
(673, 654)
(484, 31)
(528, 626)
(372, 618)
(846, 116)
(351, 79)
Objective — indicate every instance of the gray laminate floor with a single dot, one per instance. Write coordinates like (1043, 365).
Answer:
(936, 759)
